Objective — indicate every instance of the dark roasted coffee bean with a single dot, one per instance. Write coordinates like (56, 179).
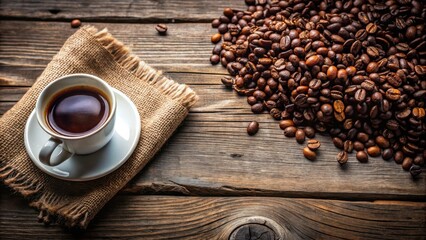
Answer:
(419, 160)
(300, 136)
(161, 28)
(309, 154)
(342, 157)
(373, 52)
(215, 23)
(393, 94)
(285, 43)
(257, 108)
(338, 142)
(309, 132)
(348, 146)
(387, 153)
(227, 81)
(313, 144)
(290, 131)
(360, 95)
(358, 146)
(371, 28)
(407, 163)
(252, 128)
(354, 68)
(362, 156)
(415, 170)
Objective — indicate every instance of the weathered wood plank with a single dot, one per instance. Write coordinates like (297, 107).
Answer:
(122, 10)
(211, 153)
(172, 217)
(27, 47)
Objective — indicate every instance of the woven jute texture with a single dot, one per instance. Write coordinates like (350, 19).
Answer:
(162, 104)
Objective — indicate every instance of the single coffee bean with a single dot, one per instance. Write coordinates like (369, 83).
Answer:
(415, 170)
(331, 73)
(300, 136)
(312, 60)
(309, 132)
(419, 160)
(371, 28)
(356, 47)
(327, 109)
(161, 28)
(290, 131)
(215, 38)
(215, 23)
(362, 156)
(75, 23)
(398, 157)
(214, 59)
(407, 163)
(309, 154)
(342, 157)
(382, 142)
(338, 142)
(252, 128)
(387, 153)
(418, 112)
(348, 146)
(227, 81)
(313, 144)
(374, 151)
(286, 123)
(228, 12)
(393, 94)
(360, 95)
(338, 106)
(257, 108)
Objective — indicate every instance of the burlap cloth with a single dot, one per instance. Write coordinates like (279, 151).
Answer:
(161, 102)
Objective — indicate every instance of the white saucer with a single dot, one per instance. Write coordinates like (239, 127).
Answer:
(97, 164)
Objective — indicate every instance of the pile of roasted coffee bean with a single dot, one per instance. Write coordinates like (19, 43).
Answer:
(355, 70)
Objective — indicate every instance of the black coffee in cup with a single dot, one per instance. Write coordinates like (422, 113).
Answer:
(77, 111)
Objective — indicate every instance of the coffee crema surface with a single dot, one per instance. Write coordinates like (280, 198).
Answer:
(77, 111)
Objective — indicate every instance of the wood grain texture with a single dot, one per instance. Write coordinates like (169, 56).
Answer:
(174, 217)
(119, 11)
(211, 153)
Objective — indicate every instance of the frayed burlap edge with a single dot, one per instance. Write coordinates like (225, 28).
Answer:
(47, 203)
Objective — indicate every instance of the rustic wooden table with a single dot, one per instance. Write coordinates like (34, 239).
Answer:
(211, 179)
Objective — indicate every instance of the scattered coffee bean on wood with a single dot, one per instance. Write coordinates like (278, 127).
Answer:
(415, 170)
(362, 156)
(161, 29)
(253, 128)
(290, 131)
(300, 136)
(342, 157)
(75, 23)
(309, 154)
(353, 70)
(313, 144)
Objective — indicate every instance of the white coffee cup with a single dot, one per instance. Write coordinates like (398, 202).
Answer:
(85, 143)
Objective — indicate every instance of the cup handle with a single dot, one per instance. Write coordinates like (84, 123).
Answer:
(46, 151)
